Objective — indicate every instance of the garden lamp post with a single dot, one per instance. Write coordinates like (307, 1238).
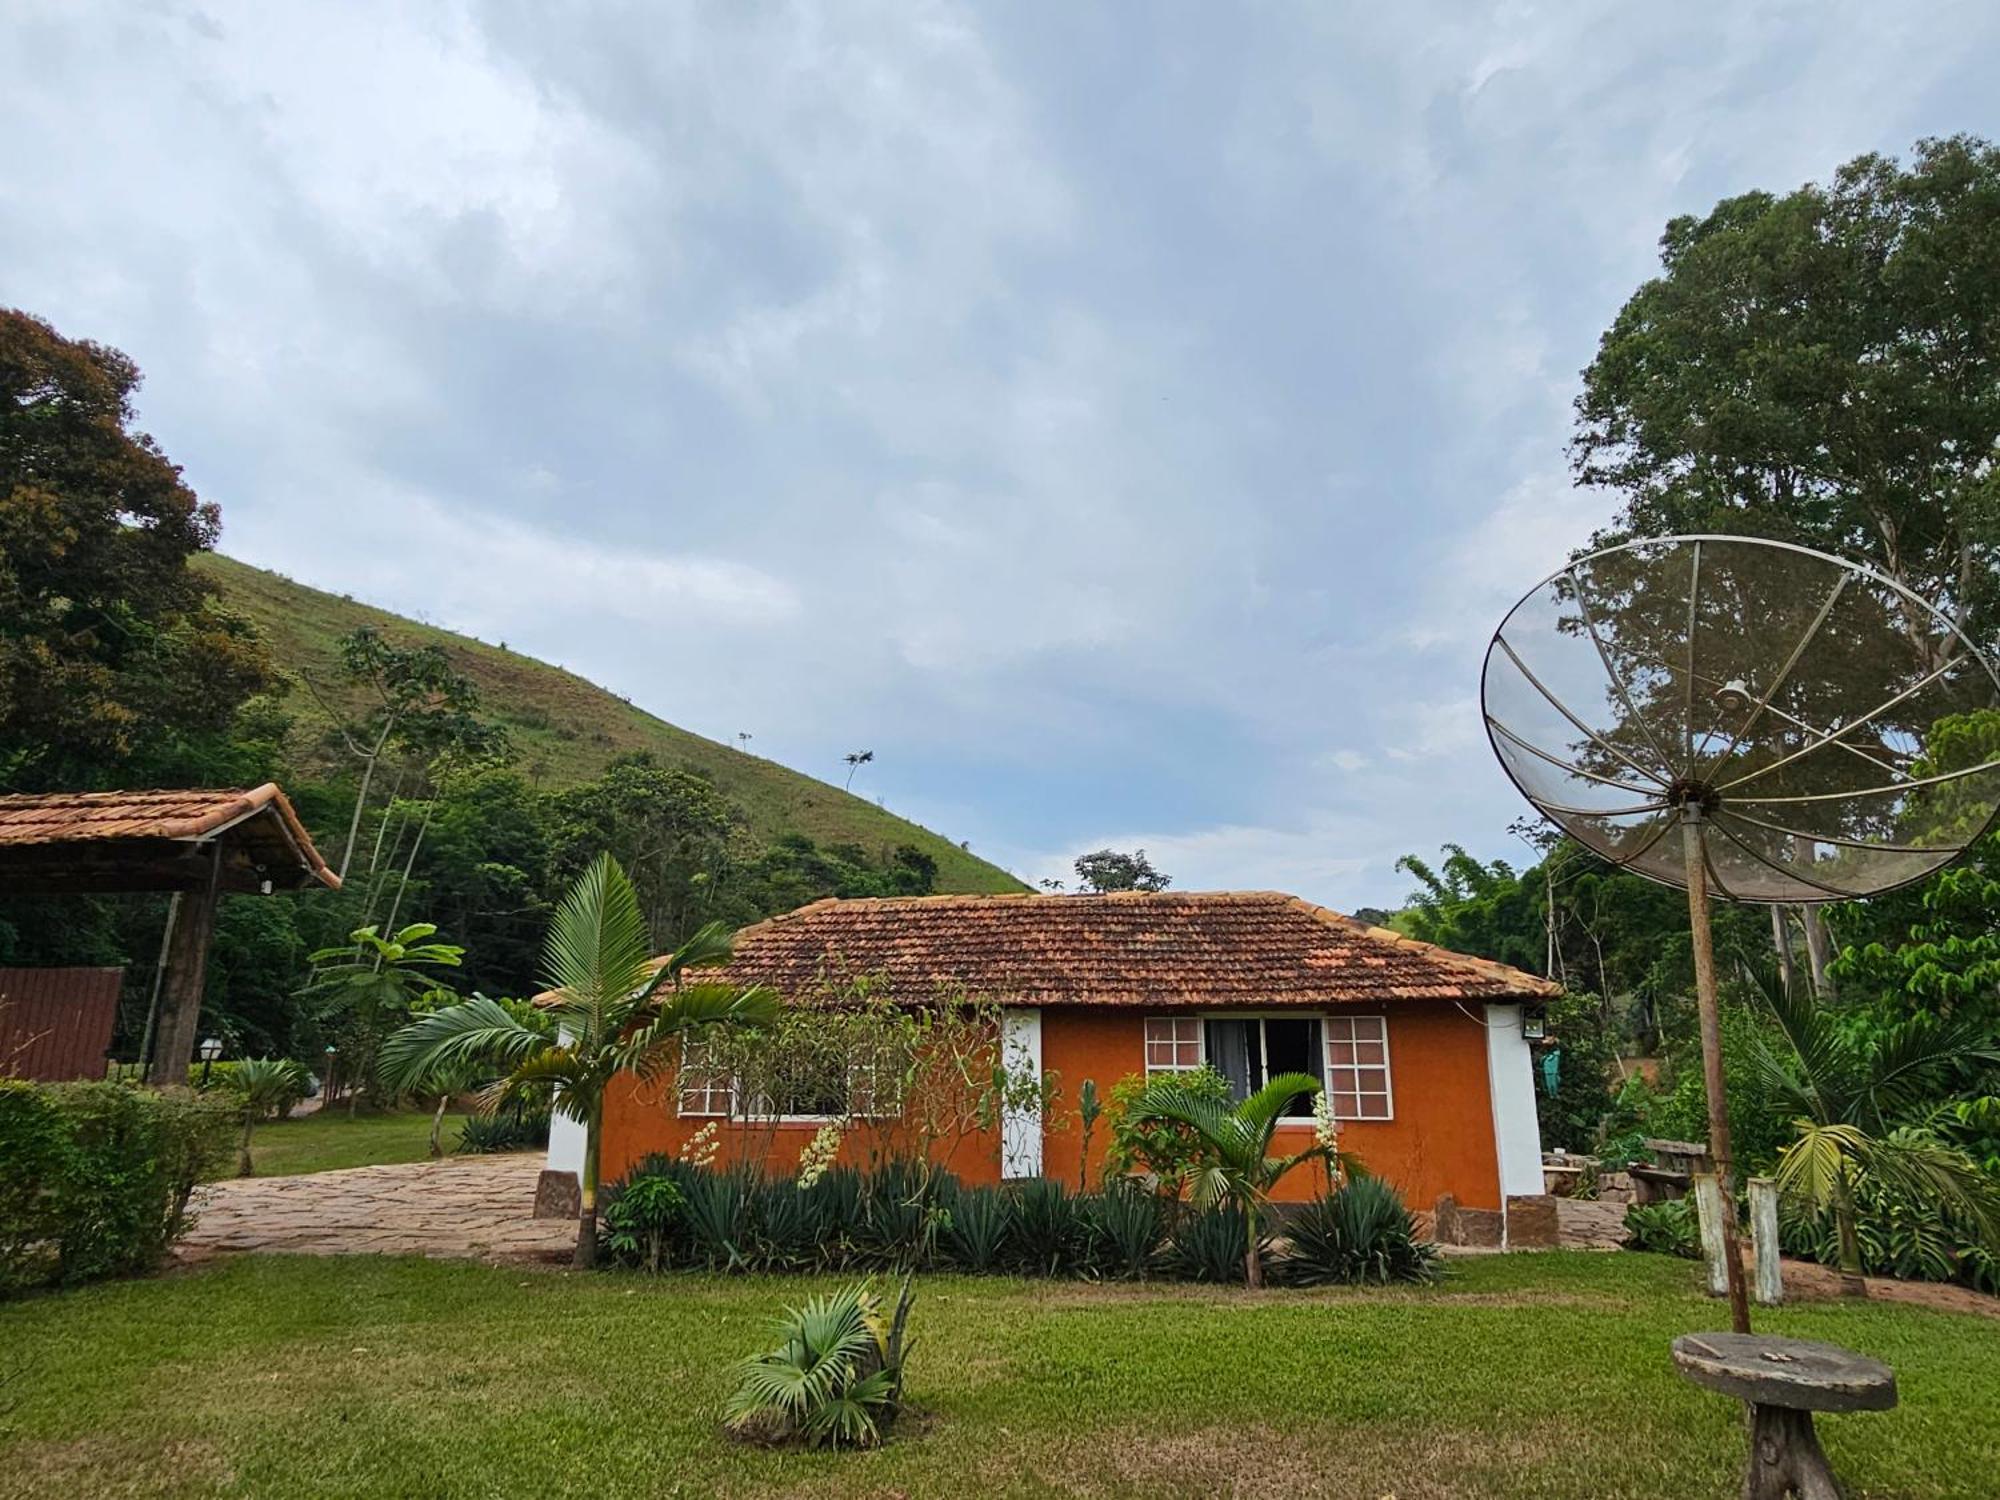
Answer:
(211, 1049)
(326, 1089)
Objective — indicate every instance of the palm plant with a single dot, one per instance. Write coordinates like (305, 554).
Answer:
(1860, 1107)
(836, 1377)
(264, 1084)
(610, 1009)
(1233, 1162)
(372, 983)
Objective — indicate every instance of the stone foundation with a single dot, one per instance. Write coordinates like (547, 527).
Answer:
(558, 1196)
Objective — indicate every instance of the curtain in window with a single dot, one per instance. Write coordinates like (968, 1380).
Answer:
(1235, 1053)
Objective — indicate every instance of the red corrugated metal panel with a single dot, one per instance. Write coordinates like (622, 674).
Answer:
(55, 1024)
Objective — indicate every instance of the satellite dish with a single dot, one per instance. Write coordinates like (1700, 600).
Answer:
(1745, 718)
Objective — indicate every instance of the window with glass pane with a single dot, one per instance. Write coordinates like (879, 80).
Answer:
(1357, 1067)
(704, 1090)
(1251, 1051)
(1173, 1044)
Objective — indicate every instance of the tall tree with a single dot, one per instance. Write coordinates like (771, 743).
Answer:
(1821, 367)
(1112, 870)
(110, 646)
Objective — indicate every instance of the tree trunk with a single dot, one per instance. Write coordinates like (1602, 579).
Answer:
(243, 1163)
(1819, 950)
(437, 1124)
(361, 798)
(1848, 1233)
(1781, 939)
(1253, 1263)
(586, 1213)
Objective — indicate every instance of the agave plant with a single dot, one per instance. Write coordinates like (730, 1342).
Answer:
(609, 1010)
(1233, 1164)
(1359, 1232)
(836, 1377)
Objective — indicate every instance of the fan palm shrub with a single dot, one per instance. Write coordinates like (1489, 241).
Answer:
(835, 1378)
(1232, 1161)
(263, 1086)
(1359, 1232)
(609, 1010)
(1861, 1102)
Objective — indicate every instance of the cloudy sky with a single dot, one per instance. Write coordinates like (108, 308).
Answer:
(1129, 422)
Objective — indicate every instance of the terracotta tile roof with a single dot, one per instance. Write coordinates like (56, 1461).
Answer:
(35, 819)
(1139, 949)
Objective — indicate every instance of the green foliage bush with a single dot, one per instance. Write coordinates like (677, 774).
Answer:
(1908, 1240)
(1208, 1245)
(1359, 1232)
(1157, 1148)
(95, 1177)
(1664, 1228)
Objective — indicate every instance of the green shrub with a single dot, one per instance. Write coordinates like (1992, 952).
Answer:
(95, 1177)
(1910, 1241)
(1208, 1245)
(1158, 1149)
(1359, 1232)
(640, 1221)
(900, 1213)
(1664, 1228)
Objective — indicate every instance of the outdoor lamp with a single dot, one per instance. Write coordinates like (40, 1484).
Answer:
(1534, 1022)
(210, 1049)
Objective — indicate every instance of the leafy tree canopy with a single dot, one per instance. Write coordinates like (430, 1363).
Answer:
(109, 646)
(1112, 870)
(1821, 367)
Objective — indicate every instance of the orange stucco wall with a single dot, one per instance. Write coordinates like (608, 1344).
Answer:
(1440, 1141)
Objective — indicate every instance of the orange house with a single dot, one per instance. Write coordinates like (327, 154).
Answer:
(1421, 1051)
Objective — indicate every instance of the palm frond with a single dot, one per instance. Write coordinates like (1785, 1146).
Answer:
(1910, 1054)
(1815, 1165)
(478, 1028)
(1263, 1109)
(644, 1050)
(1916, 1165)
(595, 956)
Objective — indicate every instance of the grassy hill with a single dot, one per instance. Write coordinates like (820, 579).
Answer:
(566, 729)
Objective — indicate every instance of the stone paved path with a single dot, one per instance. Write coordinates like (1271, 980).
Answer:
(476, 1207)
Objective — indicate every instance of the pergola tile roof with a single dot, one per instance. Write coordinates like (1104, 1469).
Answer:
(1166, 949)
(258, 823)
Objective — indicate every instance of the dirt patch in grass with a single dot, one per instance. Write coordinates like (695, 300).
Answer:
(1809, 1282)
(1237, 1463)
(101, 1465)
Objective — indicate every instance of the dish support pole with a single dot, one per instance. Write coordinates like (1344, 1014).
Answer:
(1694, 852)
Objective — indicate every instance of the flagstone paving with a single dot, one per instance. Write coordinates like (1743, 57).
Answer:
(476, 1207)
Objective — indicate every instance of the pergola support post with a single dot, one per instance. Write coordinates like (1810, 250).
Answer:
(180, 997)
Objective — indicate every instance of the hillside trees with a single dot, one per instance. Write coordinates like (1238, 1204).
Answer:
(1114, 870)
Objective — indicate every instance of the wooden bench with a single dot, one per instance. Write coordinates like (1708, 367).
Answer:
(1783, 1382)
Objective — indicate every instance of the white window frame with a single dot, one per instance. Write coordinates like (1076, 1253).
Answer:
(1387, 1093)
(1176, 1041)
(736, 1107)
(1327, 1020)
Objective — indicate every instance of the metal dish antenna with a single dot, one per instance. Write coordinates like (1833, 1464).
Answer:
(1745, 719)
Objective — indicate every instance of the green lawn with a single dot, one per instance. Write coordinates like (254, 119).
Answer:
(322, 1141)
(1522, 1376)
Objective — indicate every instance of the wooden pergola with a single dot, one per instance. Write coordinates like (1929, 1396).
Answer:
(198, 844)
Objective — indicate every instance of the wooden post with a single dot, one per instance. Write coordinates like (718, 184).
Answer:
(1709, 1215)
(1764, 1240)
(1695, 862)
(180, 996)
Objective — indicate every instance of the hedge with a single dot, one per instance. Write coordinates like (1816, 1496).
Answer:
(95, 1177)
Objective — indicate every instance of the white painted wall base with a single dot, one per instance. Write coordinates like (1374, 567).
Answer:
(566, 1136)
(1510, 1083)
(1021, 1129)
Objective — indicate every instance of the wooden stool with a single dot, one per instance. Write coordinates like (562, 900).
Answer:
(1784, 1381)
